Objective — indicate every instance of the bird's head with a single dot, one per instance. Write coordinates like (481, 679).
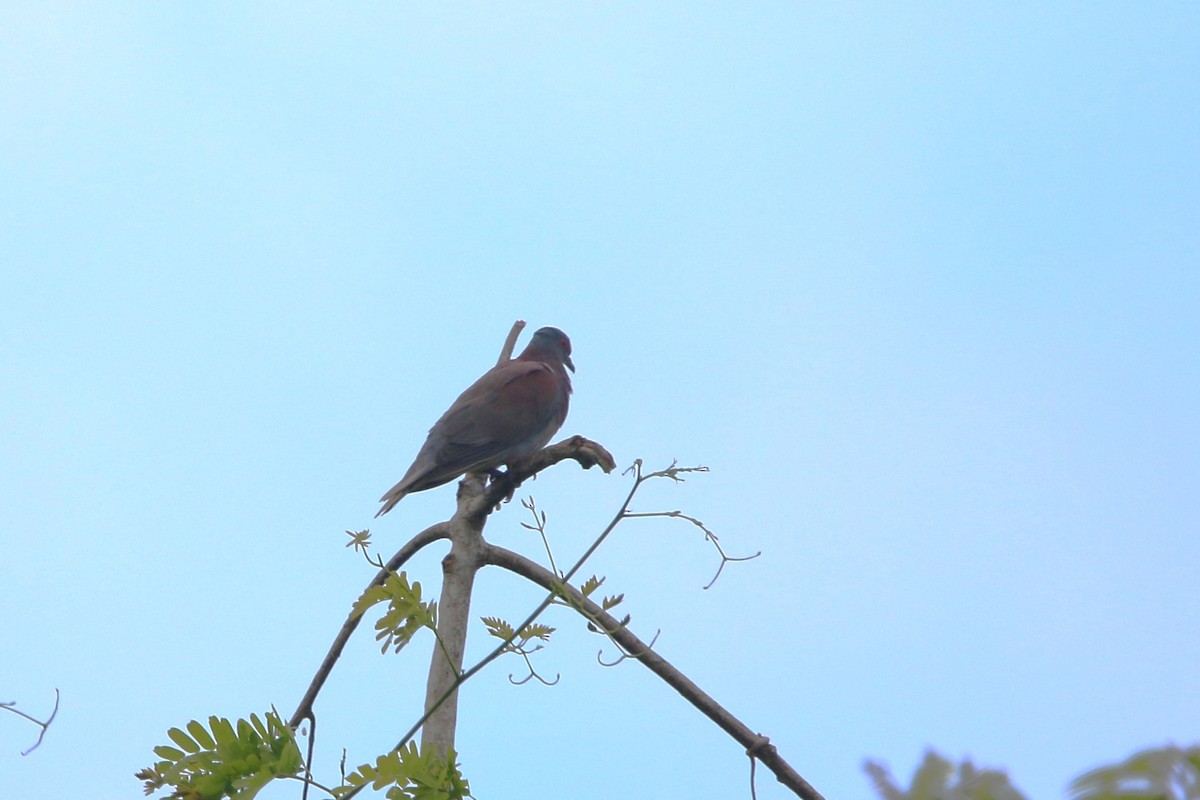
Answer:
(554, 342)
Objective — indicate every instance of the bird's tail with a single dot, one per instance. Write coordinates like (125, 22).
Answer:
(389, 500)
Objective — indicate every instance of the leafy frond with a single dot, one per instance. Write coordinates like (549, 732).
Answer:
(1169, 773)
(537, 631)
(409, 774)
(224, 760)
(885, 785)
(501, 629)
(937, 778)
(406, 613)
(359, 540)
(612, 601)
(590, 585)
(932, 778)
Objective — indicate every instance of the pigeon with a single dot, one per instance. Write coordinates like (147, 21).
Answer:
(510, 412)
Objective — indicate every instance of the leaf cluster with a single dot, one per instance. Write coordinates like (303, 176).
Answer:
(1162, 773)
(411, 774)
(936, 778)
(1168, 773)
(517, 642)
(608, 603)
(224, 760)
(405, 615)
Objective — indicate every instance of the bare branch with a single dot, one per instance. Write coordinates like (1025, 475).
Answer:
(757, 746)
(588, 453)
(12, 707)
(454, 613)
(412, 547)
(511, 341)
(708, 535)
(539, 525)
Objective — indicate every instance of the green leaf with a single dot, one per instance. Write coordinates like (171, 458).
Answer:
(537, 631)
(222, 731)
(590, 585)
(183, 740)
(201, 735)
(610, 602)
(168, 753)
(372, 595)
(499, 628)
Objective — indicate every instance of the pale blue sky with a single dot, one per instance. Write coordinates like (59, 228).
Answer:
(920, 284)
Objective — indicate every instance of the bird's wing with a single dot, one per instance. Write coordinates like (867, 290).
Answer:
(512, 409)
(500, 413)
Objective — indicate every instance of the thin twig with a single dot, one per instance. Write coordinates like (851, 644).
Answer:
(308, 760)
(308, 781)
(12, 707)
(539, 525)
(533, 673)
(510, 342)
(624, 655)
(426, 537)
(708, 535)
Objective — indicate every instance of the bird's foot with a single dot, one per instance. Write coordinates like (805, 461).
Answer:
(503, 478)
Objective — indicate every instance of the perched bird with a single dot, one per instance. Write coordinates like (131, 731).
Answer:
(510, 412)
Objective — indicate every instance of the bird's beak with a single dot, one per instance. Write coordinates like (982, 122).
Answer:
(569, 363)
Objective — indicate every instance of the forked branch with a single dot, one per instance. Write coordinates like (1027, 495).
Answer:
(12, 707)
